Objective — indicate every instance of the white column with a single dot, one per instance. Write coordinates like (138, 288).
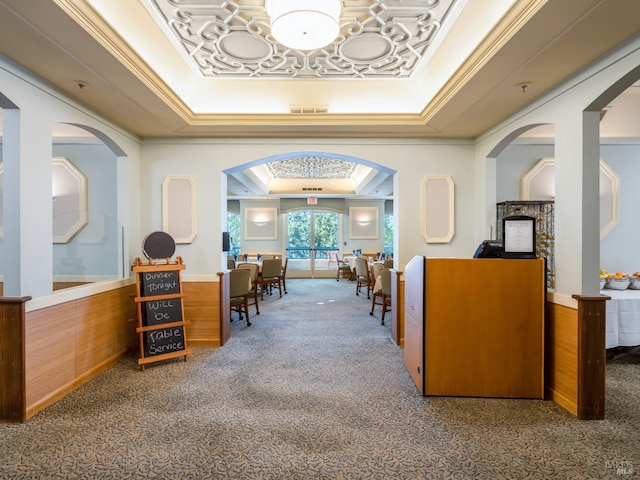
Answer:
(27, 204)
(485, 199)
(577, 210)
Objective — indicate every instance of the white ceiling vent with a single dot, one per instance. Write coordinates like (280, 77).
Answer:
(308, 108)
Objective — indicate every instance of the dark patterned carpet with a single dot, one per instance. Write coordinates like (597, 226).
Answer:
(314, 389)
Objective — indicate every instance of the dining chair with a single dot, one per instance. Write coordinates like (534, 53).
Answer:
(332, 257)
(254, 271)
(343, 270)
(384, 294)
(231, 263)
(375, 270)
(388, 263)
(270, 276)
(283, 274)
(239, 286)
(363, 276)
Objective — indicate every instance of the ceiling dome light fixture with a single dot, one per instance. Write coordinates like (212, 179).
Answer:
(304, 24)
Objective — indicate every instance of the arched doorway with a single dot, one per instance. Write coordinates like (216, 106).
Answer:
(315, 195)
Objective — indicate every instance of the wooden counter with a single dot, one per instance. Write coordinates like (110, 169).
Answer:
(475, 327)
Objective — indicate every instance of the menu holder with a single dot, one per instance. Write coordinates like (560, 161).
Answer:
(161, 323)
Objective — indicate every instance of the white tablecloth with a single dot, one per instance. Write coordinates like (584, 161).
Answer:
(351, 260)
(623, 318)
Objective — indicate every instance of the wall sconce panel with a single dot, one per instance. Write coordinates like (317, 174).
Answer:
(363, 223)
(261, 223)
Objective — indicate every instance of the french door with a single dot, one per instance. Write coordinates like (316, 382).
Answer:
(312, 243)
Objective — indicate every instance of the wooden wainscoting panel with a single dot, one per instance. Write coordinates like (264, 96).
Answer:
(225, 307)
(202, 311)
(397, 307)
(63, 285)
(561, 351)
(101, 330)
(125, 304)
(70, 343)
(50, 350)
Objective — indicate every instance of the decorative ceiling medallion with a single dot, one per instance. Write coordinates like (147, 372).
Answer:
(311, 167)
(244, 47)
(368, 47)
(232, 39)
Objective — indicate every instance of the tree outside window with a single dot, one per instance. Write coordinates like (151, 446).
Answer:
(388, 234)
(233, 227)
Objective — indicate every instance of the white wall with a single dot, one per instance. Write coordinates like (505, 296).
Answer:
(206, 160)
(573, 109)
(27, 152)
(148, 163)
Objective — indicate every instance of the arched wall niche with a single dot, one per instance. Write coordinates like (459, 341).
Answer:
(95, 252)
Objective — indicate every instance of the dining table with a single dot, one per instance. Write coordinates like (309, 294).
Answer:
(622, 318)
(352, 265)
(253, 260)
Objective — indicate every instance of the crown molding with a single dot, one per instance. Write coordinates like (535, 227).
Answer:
(517, 16)
(93, 23)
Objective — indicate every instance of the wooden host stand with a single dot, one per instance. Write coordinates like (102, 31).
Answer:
(475, 327)
(160, 315)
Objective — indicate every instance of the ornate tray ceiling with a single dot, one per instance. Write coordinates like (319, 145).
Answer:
(378, 39)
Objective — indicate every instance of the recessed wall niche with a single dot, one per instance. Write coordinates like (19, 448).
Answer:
(438, 208)
(539, 184)
(69, 195)
(261, 223)
(179, 208)
(363, 223)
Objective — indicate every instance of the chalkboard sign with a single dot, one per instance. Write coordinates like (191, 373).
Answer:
(162, 282)
(166, 310)
(160, 311)
(165, 340)
(158, 245)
